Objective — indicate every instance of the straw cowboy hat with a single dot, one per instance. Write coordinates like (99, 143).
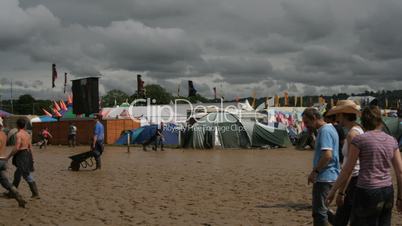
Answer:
(345, 106)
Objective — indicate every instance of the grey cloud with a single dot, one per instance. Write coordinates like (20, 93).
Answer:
(276, 44)
(379, 34)
(237, 69)
(270, 46)
(308, 19)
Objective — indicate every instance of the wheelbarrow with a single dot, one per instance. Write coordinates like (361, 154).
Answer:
(83, 160)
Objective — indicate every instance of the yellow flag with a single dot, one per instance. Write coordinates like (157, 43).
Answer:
(286, 96)
(254, 100)
(276, 101)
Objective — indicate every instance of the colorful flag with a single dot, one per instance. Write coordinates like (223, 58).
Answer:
(286, 96)
(56, 106)
(47, 113)
(63, 106)
(276, 101)
(254, 99)
(54, 75)
(69, 100)
(57, 114)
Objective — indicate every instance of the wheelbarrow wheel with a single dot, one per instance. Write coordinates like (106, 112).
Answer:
(75, 166)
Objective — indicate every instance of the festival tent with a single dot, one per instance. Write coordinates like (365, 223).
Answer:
(4, 114)
(69, 114)
(217, 129)
(145, 133)
(262, 135)
(392, 126)
(227, 131)
(152, 114)
(43, 119)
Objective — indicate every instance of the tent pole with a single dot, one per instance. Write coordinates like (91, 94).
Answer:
(128, 142)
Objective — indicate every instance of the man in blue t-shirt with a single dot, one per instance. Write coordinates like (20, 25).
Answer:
(326, 165)
(98, 141)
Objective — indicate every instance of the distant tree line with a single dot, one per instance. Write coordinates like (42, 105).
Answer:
(26, 104)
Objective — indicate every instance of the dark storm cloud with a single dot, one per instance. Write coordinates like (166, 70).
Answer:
(276, 44)
(303, 46)
(380, 33)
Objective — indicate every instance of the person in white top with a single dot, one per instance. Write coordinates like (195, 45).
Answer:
(346, 112)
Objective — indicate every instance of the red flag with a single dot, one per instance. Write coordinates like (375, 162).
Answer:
(57, 114)
(65, 82)
(56, 106)
(47, 113)
(70, 100)
(63, 106)
(54, 75)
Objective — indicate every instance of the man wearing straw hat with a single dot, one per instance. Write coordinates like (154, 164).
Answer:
(346, 112)
(325, 164)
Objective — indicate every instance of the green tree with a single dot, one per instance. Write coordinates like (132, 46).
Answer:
(157, 93)
(25, 105)
(113, 96)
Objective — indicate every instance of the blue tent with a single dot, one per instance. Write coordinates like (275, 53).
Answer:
(47, 119)
(145, 133)
(4, 114)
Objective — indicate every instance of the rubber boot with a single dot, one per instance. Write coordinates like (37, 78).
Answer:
(34, 190)
(10, 194)
(18, 197)
(98, 163)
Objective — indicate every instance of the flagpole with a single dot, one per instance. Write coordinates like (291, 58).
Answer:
(11, 95)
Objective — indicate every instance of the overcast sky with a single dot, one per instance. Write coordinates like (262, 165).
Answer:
(271, 46)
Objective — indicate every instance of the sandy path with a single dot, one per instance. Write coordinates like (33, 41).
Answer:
(233, 187)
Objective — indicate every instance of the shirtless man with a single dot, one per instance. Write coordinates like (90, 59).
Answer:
(23, 158)
(3, 161)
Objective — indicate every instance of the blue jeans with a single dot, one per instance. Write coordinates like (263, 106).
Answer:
(17, 177)
(99, 146)
(320, 193)
(3, 177)
(373, 206)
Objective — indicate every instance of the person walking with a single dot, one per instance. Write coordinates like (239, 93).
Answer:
(346, 112)
(5, 183)
(377, 152)
(23, 159)
(72, 135)
(325, 164)
(159, 137)
(98, 141)
(45, 136)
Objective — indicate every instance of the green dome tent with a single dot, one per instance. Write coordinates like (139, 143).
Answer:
(227, 131)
